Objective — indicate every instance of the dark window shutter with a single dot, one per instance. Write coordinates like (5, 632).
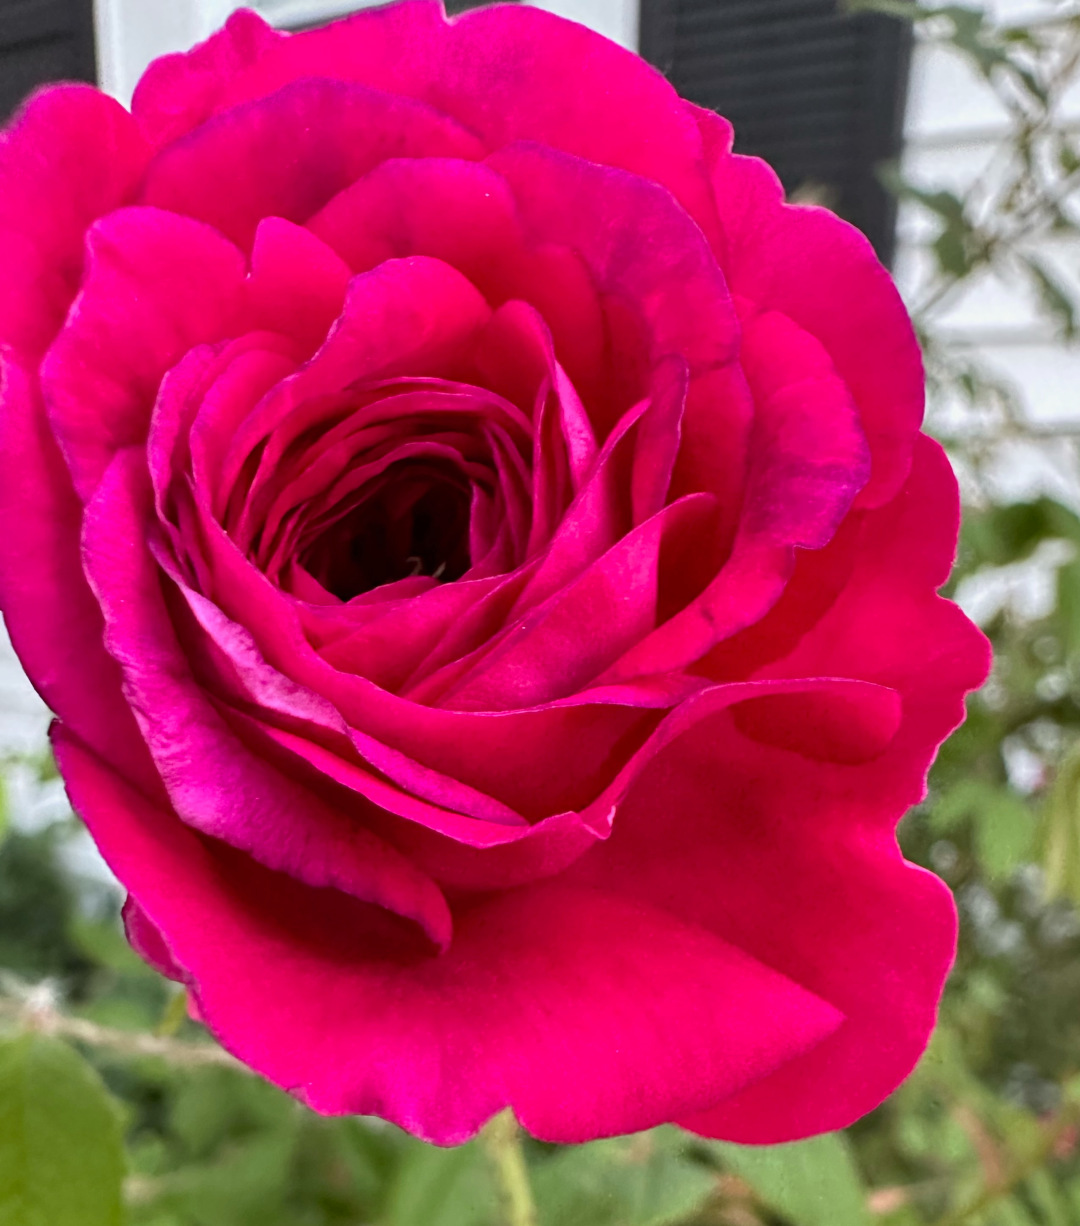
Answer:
(40, 41)
(816, 92)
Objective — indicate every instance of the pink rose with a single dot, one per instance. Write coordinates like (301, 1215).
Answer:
(478, 545)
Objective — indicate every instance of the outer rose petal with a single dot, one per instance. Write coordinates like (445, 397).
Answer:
(589, 1014)
(287, 154)
(806, 263)
(156, 285)
(54, 622)
(492, 70)
(178, 92)
(804, 871)
(214, 781)
(71, 155)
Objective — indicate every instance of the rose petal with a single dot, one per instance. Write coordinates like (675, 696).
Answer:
(811, 880)
(649, 256)
(50, 613)
(215, 783)
(70, 155)
(156, 285)
(178, 92)
(588, 1014)
(492, 70)
(297, 284)
(808, 264)
(287, 154)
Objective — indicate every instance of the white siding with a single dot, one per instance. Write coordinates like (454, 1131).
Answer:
(954, 124)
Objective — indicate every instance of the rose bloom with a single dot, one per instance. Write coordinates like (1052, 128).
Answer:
(478, 545)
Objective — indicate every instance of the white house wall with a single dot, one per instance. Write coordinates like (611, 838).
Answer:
(954, 126)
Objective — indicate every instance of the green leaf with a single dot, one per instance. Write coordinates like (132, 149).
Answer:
(642, 1180)
(952, 252)
(1067, 156)
(1061, 832)
(999, 535)
(61, 1156)
(813, 1183)
(443, 1187)
(949, 810)
(252, 1183)
(1004, 833)
(1048, 1198)
(1008, 1212)
(175, 1013)
(1054, 297)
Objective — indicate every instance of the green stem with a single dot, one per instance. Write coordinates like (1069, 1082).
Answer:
(1067, 1119)
(501, 1139)
(173, 1015)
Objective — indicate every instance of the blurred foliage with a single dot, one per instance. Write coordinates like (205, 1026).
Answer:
(114, 1106)
(1024, 199)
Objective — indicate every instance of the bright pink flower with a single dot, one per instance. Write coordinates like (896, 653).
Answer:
(478, 545)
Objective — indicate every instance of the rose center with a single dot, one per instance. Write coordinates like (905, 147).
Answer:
(413, 521)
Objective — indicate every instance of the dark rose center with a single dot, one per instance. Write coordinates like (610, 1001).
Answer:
(413, 521)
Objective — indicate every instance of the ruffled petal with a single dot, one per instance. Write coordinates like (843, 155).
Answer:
(806, 263)
(589, 1014)
(783, 842)
(70, 155)
(287, 154)
(156, 285)
(214, 781)
(50, 613)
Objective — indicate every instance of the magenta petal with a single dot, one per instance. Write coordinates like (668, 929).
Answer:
(810, 265)
(50, 613)
(70, 155)
(648, 251)
(156, 285)
(546, 656)
(287, 154)
(588, 1014)
(493, 71)
(658, 437)
(762, 848)
(807, 461)
(214, 782)
(147, 941)
(592, 524)
(178, 92)
(454, 210)
(297, 284)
